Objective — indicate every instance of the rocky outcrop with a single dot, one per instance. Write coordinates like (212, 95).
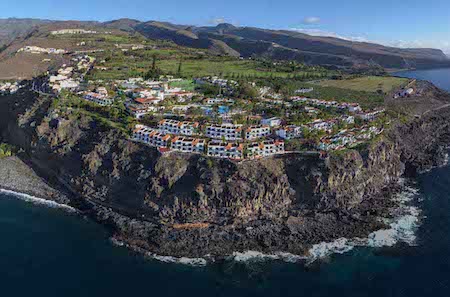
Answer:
(191, 205)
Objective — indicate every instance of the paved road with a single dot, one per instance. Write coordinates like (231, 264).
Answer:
(435, 109)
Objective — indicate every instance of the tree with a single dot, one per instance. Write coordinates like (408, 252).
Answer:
(154, 62)
(179, 67)
(247, 91)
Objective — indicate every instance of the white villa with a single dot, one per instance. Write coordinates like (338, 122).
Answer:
(321, 125)
(98, 98)
(271, 122)
(290, 132)
(220, 149)
(226, 131)
(73, 31)
(188, 145)
(255, 132)
(265, 148)
(177, 127)
(150, 136)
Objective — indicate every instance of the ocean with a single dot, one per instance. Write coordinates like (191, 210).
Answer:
(49, 251)
(440, 77)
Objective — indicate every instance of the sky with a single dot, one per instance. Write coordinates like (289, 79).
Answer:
(404, 23)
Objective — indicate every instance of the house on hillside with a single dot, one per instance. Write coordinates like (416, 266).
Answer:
(220, 149)
(177, 127)
(265, 149)
(188, 145)
(255, 132)
(271, 122)
(224, 131)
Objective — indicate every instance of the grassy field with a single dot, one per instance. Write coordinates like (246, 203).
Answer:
(367, 84)
(168, 57)
(367, 100)
(191, 68)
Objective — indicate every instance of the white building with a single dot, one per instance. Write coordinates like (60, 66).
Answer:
(212, 101)
(321, 125)
(255, 132)
(272, 122)
(177, 127)
(150, 136)
(139, 112)
(290, 132)
(99, 99)
(188, 145)
(220, 149)
(304, 91)
(69, 84)
(224, 131)
(72, 31)
(265, 149)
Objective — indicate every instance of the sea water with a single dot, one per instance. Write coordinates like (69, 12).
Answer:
(49, 250)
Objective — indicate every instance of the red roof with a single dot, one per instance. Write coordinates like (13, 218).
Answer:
(164, 150)
(145, 100)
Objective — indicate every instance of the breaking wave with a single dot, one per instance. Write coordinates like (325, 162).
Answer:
(254, 255)
(402, 228)
(183, 260)
(36, 200)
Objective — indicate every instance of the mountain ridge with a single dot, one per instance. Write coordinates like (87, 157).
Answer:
(251, 42)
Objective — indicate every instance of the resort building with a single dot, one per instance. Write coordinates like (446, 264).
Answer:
(188, 145)
(321, 125)
(150, 136)
(98, 98)
(265, 148)
(290, 132)
(73, 31)
(177, 127)
(225, 131)
(138, 112)
(255, 132)
(272, 122)
(220, 149)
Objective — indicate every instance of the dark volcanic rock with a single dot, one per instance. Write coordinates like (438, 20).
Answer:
(191, 205)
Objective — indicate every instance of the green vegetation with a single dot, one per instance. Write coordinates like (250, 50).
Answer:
(170, 59)
(187, 84)
(113, 116)
(286, 87)
(380, 84)
(367, 100)
(6, 150)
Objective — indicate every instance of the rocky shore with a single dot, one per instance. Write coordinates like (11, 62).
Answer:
(190, 206)
(16, 176)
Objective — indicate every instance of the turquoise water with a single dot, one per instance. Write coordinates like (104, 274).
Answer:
(50, 252)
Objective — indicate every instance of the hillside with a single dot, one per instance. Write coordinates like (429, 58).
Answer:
(223, 40)
(283, 44)
(13, 28)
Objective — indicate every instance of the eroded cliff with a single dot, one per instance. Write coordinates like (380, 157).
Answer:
(191, 205)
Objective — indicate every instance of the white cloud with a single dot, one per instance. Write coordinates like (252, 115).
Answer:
(324, 33)
(444, 45)
(217, 21)
(311, 20)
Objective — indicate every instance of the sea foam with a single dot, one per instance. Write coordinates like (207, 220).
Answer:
(36, 200)
(402, 227)
(182, 260)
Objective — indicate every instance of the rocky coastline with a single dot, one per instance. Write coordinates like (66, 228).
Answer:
(191, 206)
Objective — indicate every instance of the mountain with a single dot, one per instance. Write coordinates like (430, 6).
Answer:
(13, 28)
(284, 44)
(229, 40)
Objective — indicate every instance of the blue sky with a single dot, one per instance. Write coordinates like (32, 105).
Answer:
(404, 23)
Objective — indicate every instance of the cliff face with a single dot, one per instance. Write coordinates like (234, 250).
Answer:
(191, 205)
